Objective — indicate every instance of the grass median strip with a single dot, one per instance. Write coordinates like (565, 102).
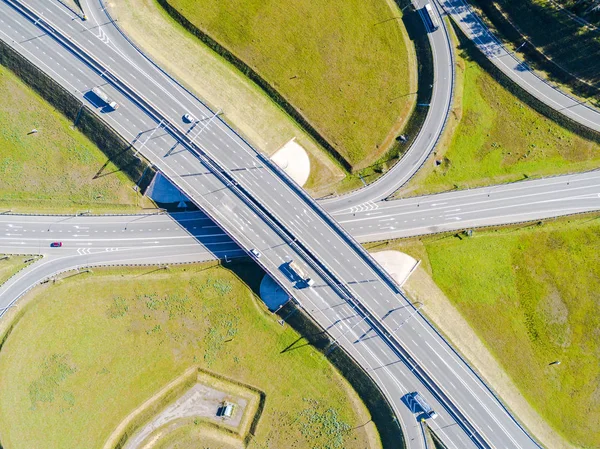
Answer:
(46, 165)
(11, 264)
(130, 332)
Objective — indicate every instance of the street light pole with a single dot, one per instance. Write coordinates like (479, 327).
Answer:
(334, 342)
(413, 313)
(206, 125)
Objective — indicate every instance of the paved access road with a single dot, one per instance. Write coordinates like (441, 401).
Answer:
(421, 148)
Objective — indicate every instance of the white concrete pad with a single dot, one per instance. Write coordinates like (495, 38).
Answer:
(293, 159)
(399, 265)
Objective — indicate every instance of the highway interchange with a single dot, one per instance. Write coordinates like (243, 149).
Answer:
(293, 221)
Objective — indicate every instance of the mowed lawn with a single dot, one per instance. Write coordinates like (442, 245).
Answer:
(500, 139)
(533, 295)
(53, 170)
(103, 343)
(344, 64)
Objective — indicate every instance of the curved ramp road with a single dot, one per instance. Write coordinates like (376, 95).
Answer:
(429, 134)
(516, 70)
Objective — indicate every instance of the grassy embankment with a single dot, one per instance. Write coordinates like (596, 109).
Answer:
(130, 332)
(54, 169)
(531, 294)
(494, 137)
(12, 264)
(345, 66)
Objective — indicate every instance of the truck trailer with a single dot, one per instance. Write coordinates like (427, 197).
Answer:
(301, 274)
(424, 405)
(105, 98)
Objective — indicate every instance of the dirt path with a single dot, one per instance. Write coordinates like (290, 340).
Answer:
(200, 401)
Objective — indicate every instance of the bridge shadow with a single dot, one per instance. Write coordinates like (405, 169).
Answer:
(222, 247)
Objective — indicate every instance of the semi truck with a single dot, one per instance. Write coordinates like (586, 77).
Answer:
(105, 98)
(425, 407)
(429, 18)
(301, 274)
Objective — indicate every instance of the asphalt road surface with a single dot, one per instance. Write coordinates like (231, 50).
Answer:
(292, 230)
(336, 284)
(517, 70)
(421, 148)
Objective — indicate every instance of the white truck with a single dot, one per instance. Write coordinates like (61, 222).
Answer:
(424, 405)
(105, 98)
(301, 274)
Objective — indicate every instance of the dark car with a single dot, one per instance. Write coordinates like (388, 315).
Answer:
(56, 244)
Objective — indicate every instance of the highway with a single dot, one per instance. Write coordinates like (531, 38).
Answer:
(192, 237)
(251, 205)
(259, 207)
(466, 209)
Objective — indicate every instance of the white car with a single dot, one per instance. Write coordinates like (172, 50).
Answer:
(255, 253)
(189, 118)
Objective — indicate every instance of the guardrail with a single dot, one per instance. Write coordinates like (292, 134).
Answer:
(270, 218)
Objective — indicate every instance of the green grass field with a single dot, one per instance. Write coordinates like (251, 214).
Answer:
(107, 341)
(499, 139)
(531, 293)
(344, 64)
(53, 169)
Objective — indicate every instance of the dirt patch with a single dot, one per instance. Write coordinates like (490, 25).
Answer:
(439, 309)
(202, 402)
